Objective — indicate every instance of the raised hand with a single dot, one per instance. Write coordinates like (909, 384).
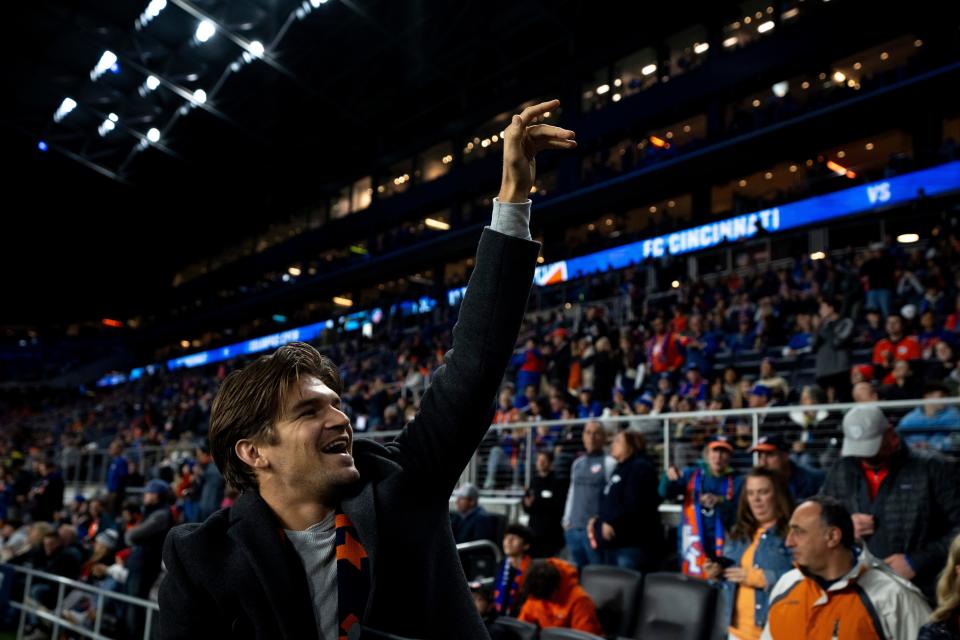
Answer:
(522, 140)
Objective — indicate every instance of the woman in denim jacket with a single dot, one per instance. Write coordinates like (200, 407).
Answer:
(755, 553)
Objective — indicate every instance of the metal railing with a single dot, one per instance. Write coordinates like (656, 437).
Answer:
(504, 463)
(505, 460)
(89, 466)
(56, 618)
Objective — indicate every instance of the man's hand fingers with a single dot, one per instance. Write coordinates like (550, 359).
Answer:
(546, 131)
(537, 110)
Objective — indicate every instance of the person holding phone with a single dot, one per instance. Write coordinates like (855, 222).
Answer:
(756, 555)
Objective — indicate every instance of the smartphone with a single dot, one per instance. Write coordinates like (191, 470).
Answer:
(723, 561)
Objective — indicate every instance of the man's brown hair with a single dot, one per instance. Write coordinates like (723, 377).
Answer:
(252, 400)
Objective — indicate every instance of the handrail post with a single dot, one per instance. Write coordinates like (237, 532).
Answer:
(23, 611)
(56, 612)
(666, 444)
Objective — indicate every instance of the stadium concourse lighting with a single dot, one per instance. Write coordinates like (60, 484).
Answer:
(818, 255)
(153, 135)
(763, 27)
(649, 69)
(780, 89)
(439, 225)
(294, 271)
(205, 30)
(106, 127)
(701, 47)
(152, 11)
(342, 301)
(908, 238)
(107, 60)
(68, 105)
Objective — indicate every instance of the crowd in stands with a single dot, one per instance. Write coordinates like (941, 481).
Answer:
(854, 326)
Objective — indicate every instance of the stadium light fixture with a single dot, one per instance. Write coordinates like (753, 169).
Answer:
(107, 60)
(153, 135)
(701, 47)
(908, 238)
(341, 301)
(818, 255)
(764, 27)
(68, 105)
(649, 69)
(205, 30)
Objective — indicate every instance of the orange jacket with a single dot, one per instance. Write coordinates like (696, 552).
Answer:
(869, 602)
(570, 607)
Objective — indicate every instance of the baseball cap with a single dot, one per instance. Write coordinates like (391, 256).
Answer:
(466, 490)
(720, 442)
(769, 444)
(863, 429)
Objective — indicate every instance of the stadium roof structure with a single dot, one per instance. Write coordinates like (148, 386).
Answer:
(143, 135)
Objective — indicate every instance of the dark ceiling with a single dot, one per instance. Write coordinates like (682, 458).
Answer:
(352, 85)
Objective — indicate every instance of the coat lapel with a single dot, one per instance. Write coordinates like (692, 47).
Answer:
(360, 507)
(276, 564)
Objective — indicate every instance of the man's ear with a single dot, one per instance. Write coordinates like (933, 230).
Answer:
(250, 453)
(834, 537)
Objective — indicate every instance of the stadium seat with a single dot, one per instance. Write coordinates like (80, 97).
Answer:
(616, 592)
(660, 617)
(556, 633)
(516, 629)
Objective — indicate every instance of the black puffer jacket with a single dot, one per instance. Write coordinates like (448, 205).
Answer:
(916, 511)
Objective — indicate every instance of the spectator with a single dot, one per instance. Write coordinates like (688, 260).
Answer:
(558, 365)
(901, 384)
(874, 331)
(832, 346)
(483, 599)
(588, 475)
(773, 453)
(46, 496)
(529, 363)
(145, 540)
(905, 503)
(932, 426)
(809, 423)
(838, 590)
(695, 386)
(772, 380)
(700, 346)
(471, 521)
(554, 598)
(945, 622)
(664, 351)
(588, 407)
(865, 392)
(50, 558)
(757, 551)
(513, 571)
(878, 273)
(209, 485)
(760, 396)
(896, 346)
(628, 505)
(544, 502)
(710, 492)
(930, 336)
(116, 477)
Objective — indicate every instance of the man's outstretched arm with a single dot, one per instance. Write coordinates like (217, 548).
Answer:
(457, 408)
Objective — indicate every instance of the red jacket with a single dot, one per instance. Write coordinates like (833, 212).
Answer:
(570, 607)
